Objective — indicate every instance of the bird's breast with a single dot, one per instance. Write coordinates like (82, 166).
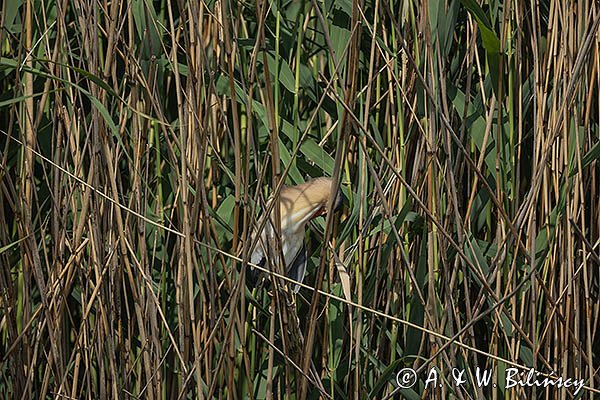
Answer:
(291, 243)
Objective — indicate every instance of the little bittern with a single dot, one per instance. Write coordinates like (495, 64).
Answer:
(297, 206)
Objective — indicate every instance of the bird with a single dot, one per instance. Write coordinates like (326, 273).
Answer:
(298, 205)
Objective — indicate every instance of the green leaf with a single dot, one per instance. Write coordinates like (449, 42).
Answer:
(526, 355)
(9, 246)
(336, 327)
(474, 253)
(475, 126)
(225, 217)
(4, 62)
(590, 157)
(20, 99)
(446, 27)
(11, 12)
(286, 158)
(491, 43)
(339, 34)
(318, 155)
(387, 376)
(286, 76)
(434, 10)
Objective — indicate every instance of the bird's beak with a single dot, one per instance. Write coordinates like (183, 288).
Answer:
(319, 212)
(337, 205)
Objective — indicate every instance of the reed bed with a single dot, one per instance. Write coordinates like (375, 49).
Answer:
(140, 141)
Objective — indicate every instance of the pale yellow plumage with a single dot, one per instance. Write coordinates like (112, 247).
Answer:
(298, 205)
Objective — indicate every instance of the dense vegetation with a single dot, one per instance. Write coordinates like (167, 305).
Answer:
(140, 140)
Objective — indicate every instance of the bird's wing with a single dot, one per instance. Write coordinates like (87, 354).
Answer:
(298, 267)
(253, 274)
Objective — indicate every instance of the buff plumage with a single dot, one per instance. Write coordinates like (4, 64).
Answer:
(297, 206)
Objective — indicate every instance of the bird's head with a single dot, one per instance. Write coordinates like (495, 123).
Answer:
(299, 204)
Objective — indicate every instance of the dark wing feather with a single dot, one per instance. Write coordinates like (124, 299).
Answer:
(253, 274)
(298, 267)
